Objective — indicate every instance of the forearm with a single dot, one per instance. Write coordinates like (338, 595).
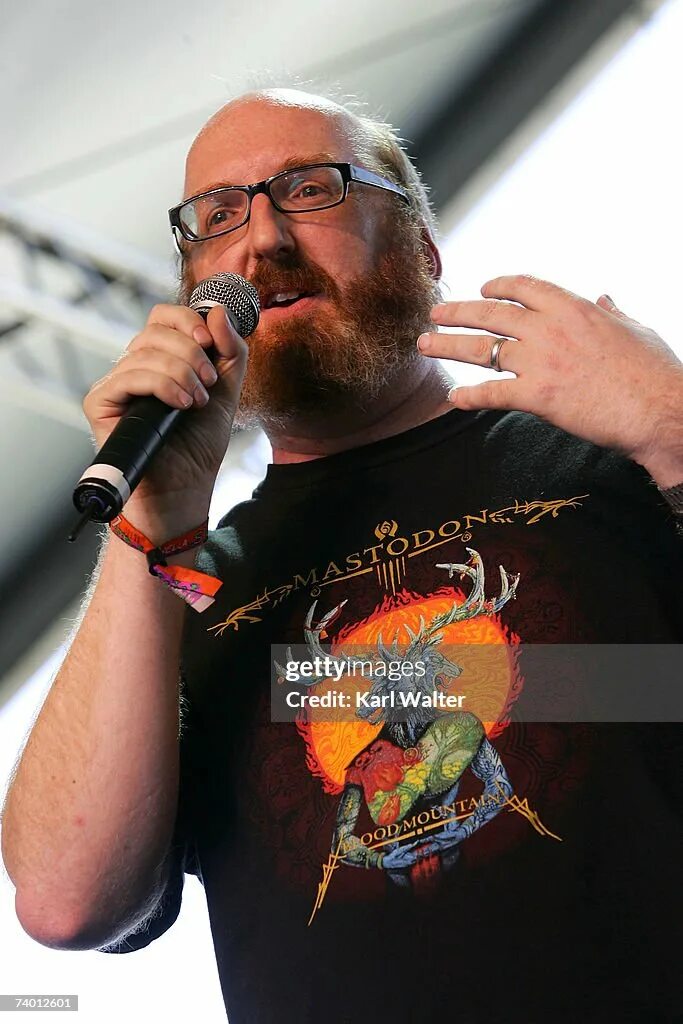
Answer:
(90, 812)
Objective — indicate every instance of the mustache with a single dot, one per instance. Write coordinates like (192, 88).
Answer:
(292, 274)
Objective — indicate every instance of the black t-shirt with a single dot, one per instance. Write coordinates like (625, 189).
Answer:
(563, 903)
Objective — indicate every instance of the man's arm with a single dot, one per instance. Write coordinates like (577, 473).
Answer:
(585, 367)
(89, 816)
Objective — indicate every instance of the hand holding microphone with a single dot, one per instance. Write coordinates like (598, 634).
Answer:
(147, 415)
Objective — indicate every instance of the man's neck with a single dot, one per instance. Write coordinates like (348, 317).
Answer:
(402, 405)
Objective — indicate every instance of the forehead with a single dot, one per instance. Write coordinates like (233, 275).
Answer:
(251, 140)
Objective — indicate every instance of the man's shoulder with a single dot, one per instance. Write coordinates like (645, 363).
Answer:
(537, 455)
(529, 438)
(226, 541)
(530, 443)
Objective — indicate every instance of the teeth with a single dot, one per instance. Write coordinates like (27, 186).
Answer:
(283, 297)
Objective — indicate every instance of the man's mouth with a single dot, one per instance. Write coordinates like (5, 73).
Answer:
(274, 301)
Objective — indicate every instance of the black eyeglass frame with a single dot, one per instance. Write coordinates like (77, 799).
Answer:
(349, 173)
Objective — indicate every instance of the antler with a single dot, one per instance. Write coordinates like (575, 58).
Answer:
(385, 652)
(312, 634)
(475, 604)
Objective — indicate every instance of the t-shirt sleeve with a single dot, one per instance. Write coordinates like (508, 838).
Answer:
(183, 857)
(164, 914)
(648, 527)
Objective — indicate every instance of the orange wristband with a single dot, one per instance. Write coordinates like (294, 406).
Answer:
(196, 588)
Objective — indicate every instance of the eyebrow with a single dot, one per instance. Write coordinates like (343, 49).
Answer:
(286, 165)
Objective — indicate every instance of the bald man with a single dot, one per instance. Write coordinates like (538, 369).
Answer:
(462, 834)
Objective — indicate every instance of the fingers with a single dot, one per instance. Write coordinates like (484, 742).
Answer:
(491, 394)
(216, 331)
(176, 368)
(110, 396)
(533, 292)
(178, 346)
(180, 318)
(490, 314)
(471, 348)
(172, 359)
(607, 303)
(229, 344)
(168, 359)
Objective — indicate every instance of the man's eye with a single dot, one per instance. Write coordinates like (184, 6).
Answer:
(308, 190)
(220, 216)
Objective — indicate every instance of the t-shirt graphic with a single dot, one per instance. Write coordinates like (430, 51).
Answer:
(425, 776)
(404, 756)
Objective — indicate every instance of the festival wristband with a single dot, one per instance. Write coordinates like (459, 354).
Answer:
(196, 588)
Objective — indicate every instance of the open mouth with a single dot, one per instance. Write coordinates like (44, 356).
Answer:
(285, 300)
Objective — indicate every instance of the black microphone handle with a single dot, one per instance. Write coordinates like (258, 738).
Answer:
(125, 456)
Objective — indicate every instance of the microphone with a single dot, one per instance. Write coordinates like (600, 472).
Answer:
(107, 484)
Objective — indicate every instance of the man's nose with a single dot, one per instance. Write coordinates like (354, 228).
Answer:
(268, 231)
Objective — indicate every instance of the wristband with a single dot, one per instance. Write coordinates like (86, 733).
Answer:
(195, 588)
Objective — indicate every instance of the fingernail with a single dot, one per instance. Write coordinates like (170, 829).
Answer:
(208, 374)
(610, 299)
(424, 342)
(201, 395)
(452, 393)
(201, 334)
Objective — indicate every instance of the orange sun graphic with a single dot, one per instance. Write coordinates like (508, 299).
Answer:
(489, 677)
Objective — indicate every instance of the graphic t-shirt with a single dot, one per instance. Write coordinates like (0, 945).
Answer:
(468, 867)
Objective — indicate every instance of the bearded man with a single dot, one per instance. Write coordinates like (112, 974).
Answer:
(485, 862)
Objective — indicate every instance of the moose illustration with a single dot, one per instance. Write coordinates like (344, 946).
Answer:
(412, 769)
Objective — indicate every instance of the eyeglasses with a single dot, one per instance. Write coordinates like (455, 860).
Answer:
(301, 190)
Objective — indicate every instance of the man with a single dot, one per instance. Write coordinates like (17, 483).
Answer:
(372, 866)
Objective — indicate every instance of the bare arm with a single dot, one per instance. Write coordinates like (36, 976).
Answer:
(89, 816)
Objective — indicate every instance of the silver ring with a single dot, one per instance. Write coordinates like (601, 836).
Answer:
(494, 363)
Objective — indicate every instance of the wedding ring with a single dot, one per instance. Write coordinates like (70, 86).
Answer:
(495, 354)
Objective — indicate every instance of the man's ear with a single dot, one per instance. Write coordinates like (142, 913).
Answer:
(432, 253)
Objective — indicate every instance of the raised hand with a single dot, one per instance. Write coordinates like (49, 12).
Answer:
(586, 367)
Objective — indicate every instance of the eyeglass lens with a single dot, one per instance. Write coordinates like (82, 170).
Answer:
(312, 188)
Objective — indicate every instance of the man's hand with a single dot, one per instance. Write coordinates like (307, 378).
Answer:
(171, 359)
(585, 367)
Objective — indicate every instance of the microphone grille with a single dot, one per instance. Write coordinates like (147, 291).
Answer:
(233, 291)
